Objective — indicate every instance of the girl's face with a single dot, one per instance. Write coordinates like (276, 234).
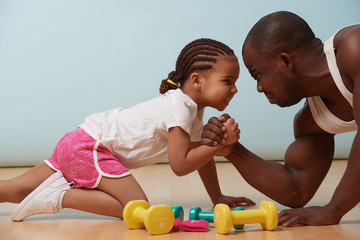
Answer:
(218, 85)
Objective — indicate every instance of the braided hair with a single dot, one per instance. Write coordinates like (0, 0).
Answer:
(199, 55)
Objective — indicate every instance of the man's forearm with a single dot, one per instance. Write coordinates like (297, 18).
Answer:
(347, 193)
(271, 178)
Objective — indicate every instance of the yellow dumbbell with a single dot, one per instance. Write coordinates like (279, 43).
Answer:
(267, 215)
(157, 219)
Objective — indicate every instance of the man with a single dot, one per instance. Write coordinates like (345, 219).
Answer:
(289, 63)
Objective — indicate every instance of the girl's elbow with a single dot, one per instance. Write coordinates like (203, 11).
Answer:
(179, 170)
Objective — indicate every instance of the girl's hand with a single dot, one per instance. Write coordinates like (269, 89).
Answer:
(232, 130)
(234, 201)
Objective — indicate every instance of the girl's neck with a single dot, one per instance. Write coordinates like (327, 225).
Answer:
(189, 90)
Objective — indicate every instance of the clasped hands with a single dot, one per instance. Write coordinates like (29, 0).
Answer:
(222, 130)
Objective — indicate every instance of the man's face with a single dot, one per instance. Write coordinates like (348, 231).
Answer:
(272, 76)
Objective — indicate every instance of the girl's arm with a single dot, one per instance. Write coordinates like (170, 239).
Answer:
(182, 158)
(185, 158)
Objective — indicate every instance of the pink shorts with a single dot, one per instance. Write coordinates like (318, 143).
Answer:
(83, 160)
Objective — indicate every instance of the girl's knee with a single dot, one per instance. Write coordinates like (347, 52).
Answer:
(139, 198)
(123, 189)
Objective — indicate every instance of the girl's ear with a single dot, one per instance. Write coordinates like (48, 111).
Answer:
(195, 80)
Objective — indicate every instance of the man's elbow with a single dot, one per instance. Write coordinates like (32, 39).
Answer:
(296, 199)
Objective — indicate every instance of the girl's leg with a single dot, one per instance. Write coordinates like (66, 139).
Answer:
(16, 189)
(109, 198)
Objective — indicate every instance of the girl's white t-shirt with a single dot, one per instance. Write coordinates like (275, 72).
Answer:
(138, 135)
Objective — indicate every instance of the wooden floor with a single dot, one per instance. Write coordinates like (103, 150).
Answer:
(163, 187)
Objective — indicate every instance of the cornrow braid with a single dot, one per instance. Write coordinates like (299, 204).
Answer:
(199, 55)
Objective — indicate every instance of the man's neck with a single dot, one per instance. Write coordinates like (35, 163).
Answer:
(313, 70)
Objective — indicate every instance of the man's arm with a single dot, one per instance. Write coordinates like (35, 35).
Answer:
(307, 161)
(345, 197)
(347, 193)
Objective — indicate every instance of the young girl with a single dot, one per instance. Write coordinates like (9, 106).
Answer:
(93, 161)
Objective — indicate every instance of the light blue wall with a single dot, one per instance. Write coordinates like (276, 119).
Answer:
(63, 60)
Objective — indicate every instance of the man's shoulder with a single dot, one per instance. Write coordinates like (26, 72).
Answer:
(346, 33)
(347, 47)
(347, 43)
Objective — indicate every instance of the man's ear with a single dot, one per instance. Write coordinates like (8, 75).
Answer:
(287, 60)
(195, 79)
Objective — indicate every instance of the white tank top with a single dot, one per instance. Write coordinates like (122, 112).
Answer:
(321, 114)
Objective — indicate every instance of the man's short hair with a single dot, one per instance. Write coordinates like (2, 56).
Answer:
(279, 32)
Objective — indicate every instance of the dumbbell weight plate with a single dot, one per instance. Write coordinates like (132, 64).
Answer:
(271, 215)
(130, 211)
(222, 218)
(159, 219)
(178, 212)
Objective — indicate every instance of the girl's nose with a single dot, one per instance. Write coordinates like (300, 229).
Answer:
(234, 89)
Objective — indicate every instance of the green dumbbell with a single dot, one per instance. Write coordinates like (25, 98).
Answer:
(178, 212)
(196, 213)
